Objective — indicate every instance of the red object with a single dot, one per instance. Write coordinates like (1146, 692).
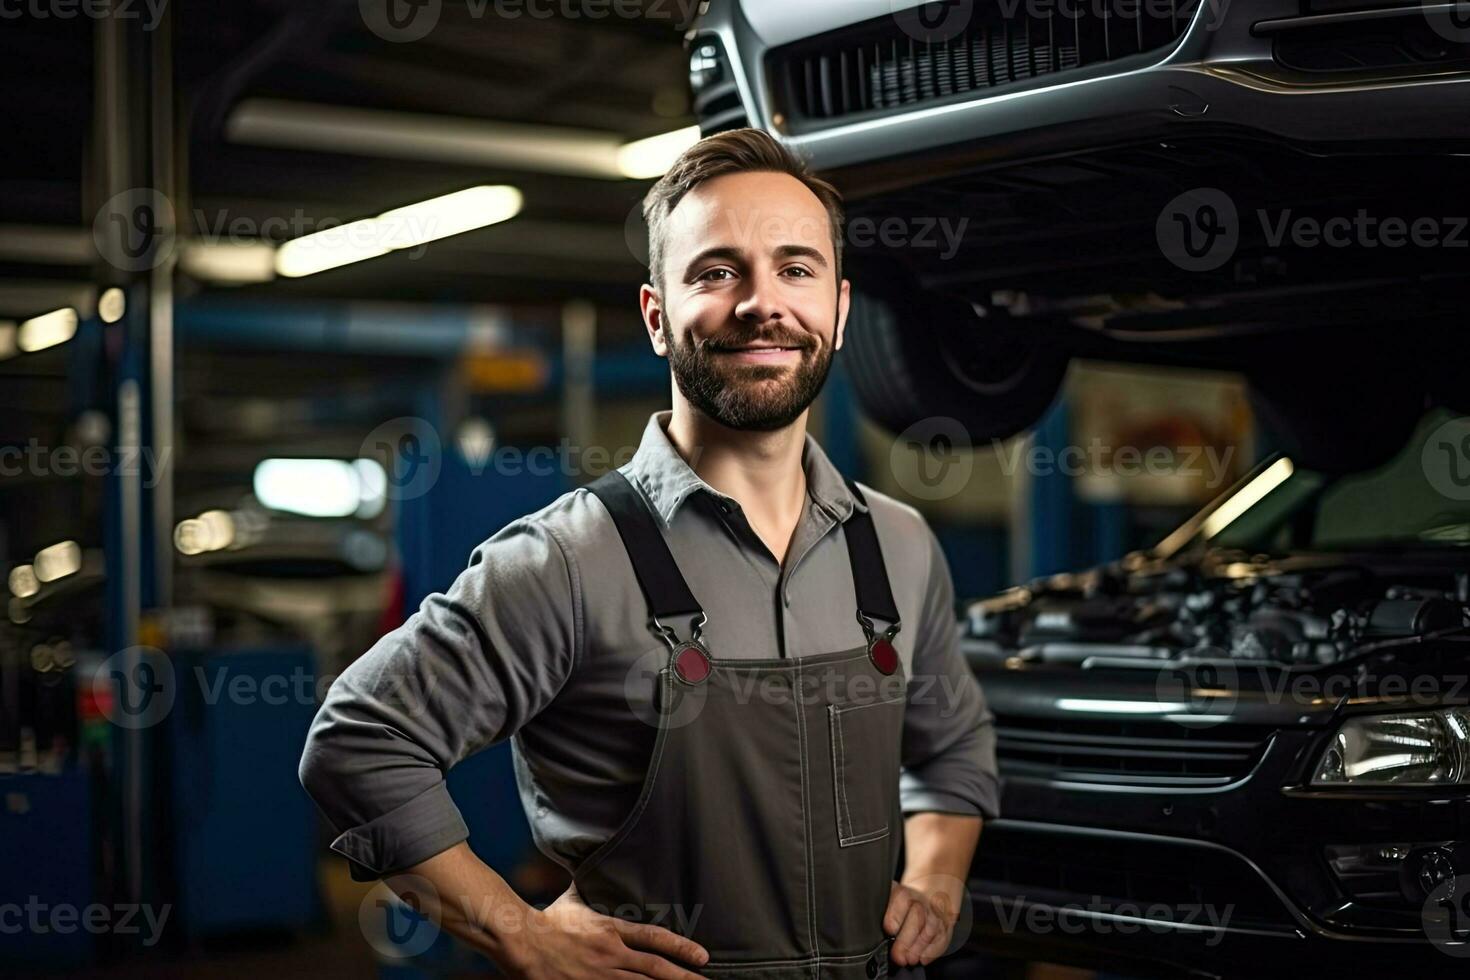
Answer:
(691, 664)
(393, 614)
(883, 655)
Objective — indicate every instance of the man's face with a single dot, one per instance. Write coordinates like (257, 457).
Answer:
(751, 310)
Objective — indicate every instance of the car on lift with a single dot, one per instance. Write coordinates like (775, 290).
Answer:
(1156, 181)
(1242, 751)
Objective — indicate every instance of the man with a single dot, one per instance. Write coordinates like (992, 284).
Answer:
(731, 678)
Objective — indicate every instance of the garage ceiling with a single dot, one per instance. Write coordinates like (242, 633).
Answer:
(558, 63)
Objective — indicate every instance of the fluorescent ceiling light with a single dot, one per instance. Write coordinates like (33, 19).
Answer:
(47, 244)
(231, 263)
(652, 157)
(58, 561)
(48, 330)
(112, 305)
(401, 228)
(23, 582)
(451, 139)
(213, 530)
(322, 487)
(1249, 495)
(372, 484)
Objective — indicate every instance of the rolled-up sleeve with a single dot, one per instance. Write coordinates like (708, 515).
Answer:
(949, 732)
(465, 671)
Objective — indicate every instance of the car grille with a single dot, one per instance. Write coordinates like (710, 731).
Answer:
(881, 65)
(1128, 752)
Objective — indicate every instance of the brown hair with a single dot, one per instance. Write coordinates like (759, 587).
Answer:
(733, 152)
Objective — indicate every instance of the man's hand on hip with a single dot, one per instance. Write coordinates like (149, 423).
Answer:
(920, 923)
(569, 939)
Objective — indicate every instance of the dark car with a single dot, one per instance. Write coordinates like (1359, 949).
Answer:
(1247, 750)
(1235, 184)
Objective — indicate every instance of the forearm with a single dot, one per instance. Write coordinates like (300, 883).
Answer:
(466, 898)
(938, 850)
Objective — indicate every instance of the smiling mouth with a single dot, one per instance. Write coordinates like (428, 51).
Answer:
(763, 349)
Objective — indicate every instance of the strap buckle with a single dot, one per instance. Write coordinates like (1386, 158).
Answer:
(871, 631)
(667, 634)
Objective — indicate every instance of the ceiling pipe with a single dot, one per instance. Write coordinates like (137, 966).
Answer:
(411, 136)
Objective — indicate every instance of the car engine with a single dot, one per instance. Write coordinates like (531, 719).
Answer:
(1293, 612)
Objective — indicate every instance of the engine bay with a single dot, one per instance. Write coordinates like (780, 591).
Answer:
(1306, 611)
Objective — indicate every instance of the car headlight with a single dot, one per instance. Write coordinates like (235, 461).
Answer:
(1427, 748)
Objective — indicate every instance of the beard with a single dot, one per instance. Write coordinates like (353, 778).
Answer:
(753, 397)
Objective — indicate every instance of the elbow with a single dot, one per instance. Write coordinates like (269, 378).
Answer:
(316, 772)
(310, 772)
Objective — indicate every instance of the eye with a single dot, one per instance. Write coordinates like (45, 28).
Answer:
(708, 275)
(805, 272)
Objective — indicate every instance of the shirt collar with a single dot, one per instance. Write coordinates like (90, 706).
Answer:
(667, 480)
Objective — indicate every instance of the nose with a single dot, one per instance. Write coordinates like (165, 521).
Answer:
(760, 303)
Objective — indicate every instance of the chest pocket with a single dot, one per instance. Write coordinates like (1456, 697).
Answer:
(865, 764)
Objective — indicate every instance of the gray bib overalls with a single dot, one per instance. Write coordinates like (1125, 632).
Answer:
(768, 827)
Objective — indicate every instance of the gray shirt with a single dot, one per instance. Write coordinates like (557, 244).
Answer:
(543, 639)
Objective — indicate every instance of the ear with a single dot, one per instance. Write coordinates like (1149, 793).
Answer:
(844, 302)
(651, 306)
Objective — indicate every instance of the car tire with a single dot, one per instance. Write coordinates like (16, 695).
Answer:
(915, 355)
(1353, 418)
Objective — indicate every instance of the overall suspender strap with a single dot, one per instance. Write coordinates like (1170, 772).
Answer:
(869, 574)
(658, 574)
